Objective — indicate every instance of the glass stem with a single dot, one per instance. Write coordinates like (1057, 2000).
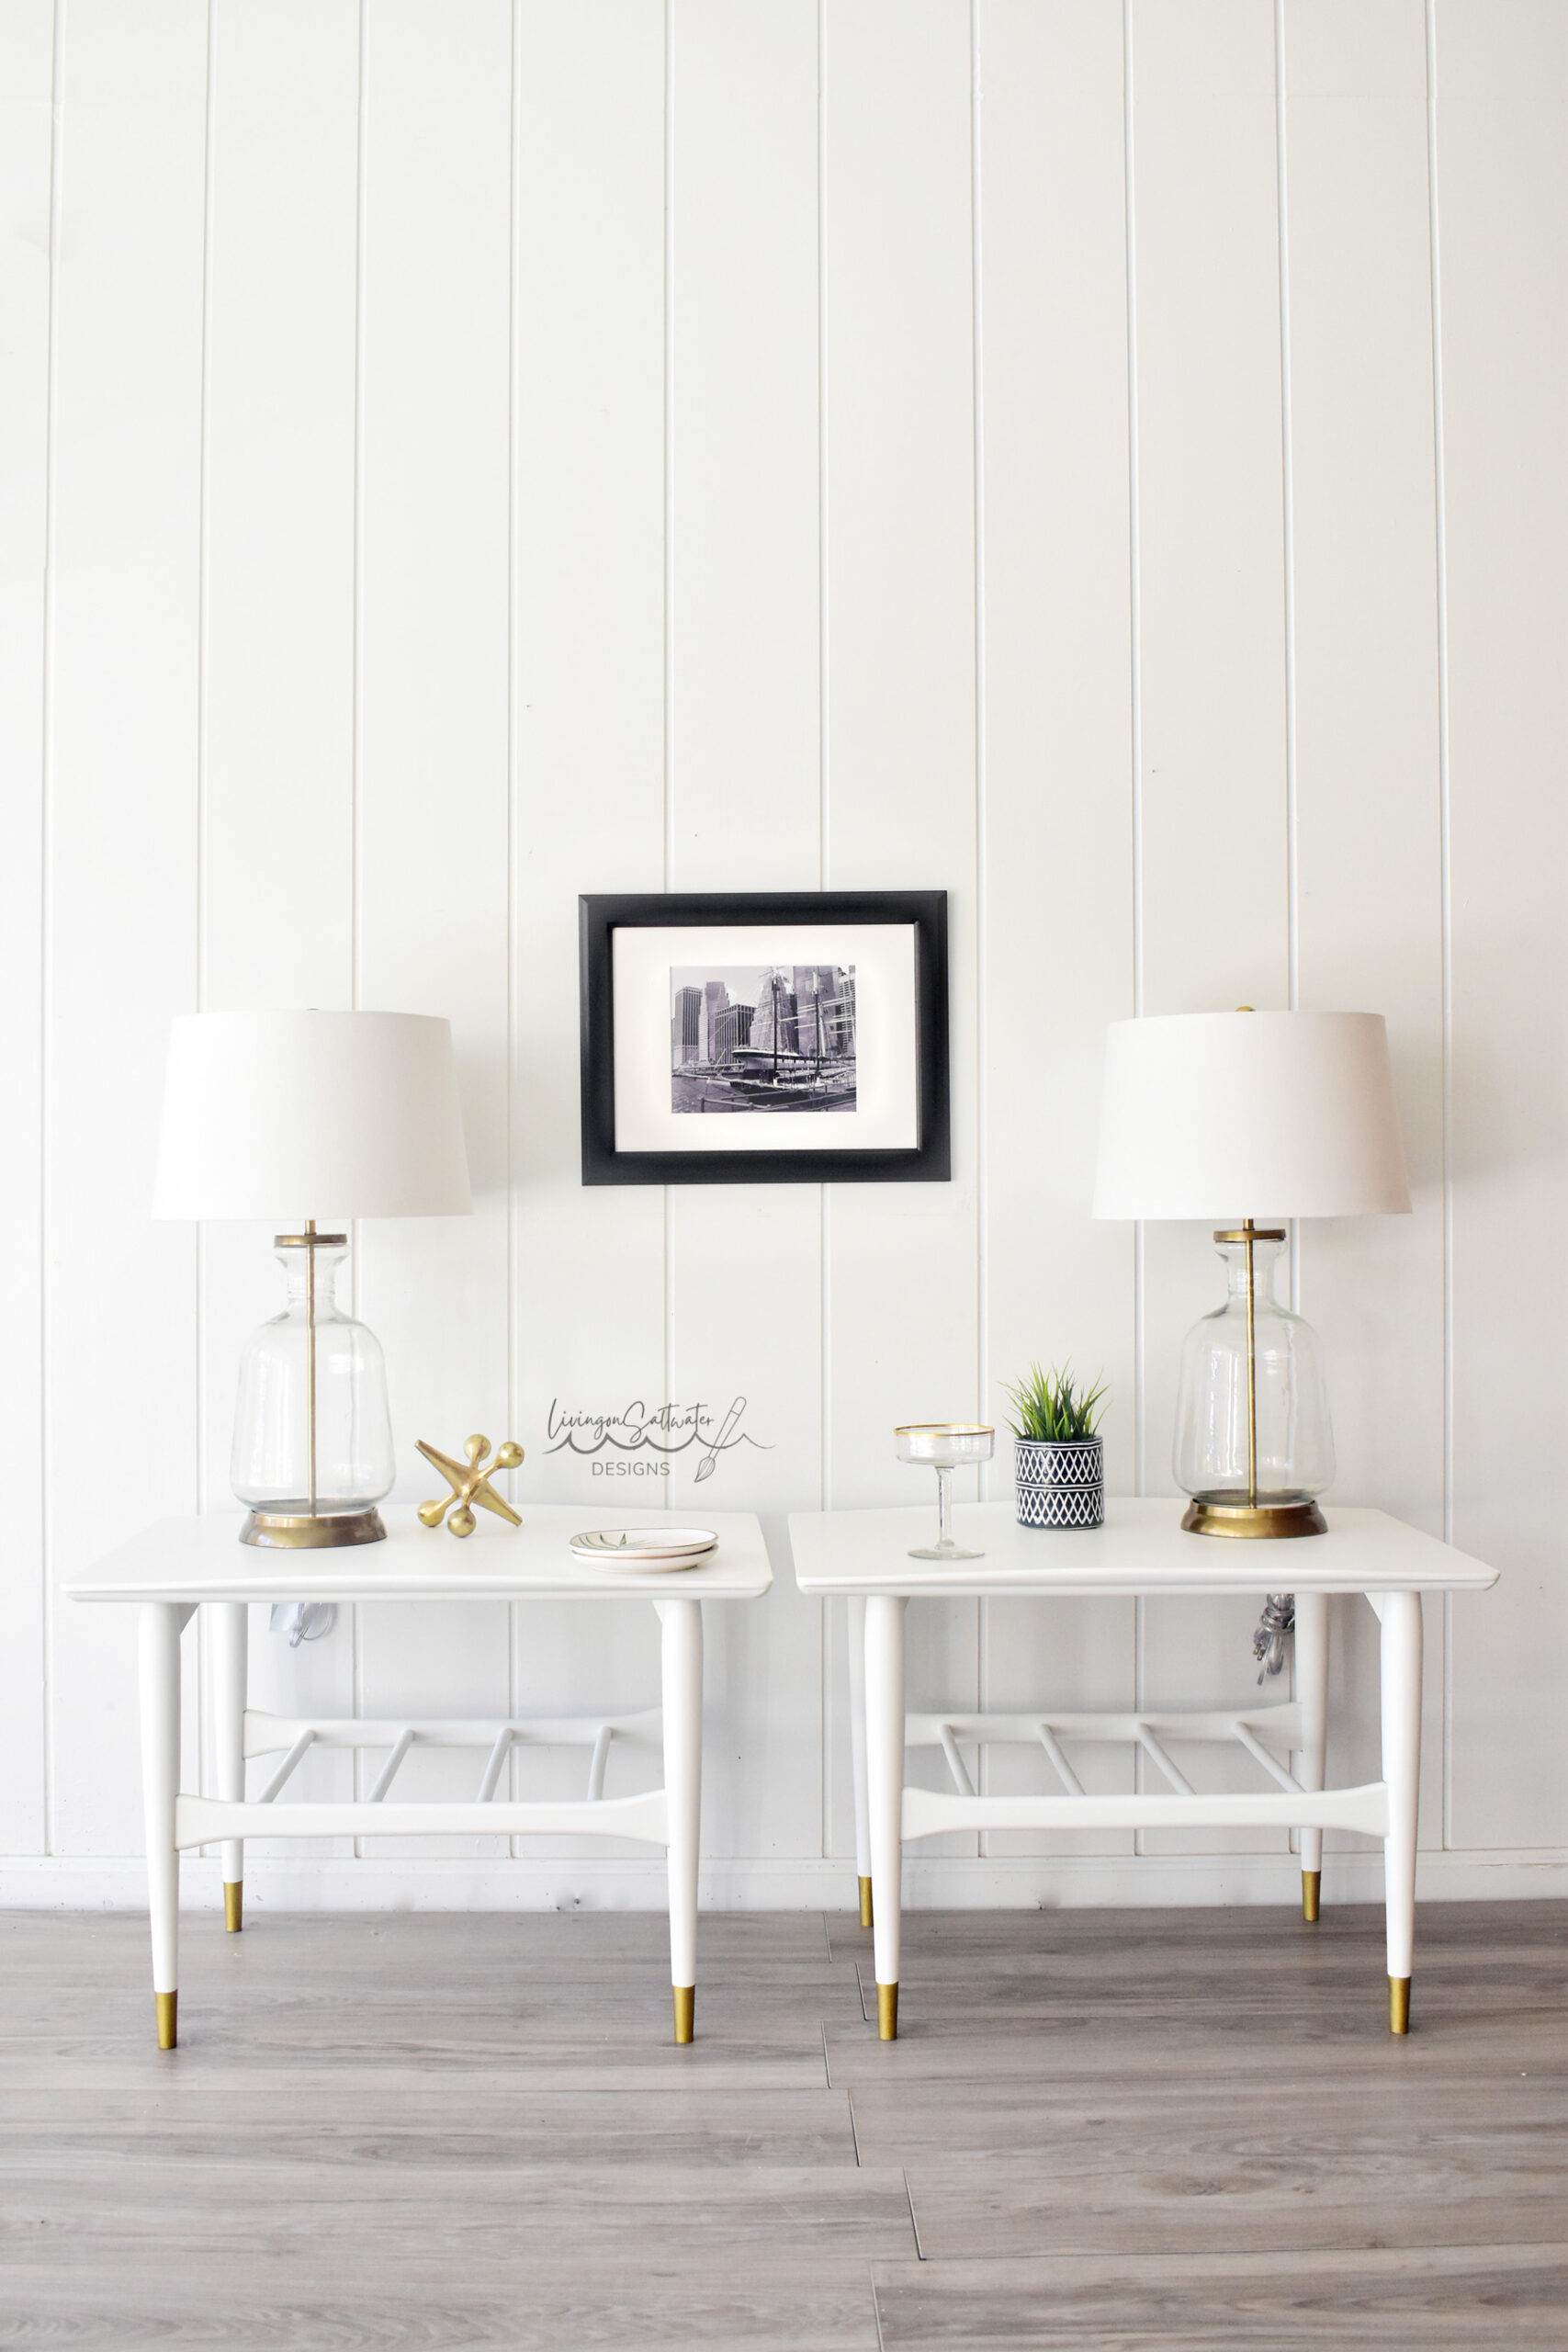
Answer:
(944, 1509)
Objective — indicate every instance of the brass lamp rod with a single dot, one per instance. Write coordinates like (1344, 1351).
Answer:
(310, 1358)
(1249, 1230)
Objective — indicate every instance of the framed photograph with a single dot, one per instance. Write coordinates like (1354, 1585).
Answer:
(765, 1037)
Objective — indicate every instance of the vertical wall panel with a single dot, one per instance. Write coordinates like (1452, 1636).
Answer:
(900, 423)
(1368, 788)
(588, 713)
(278, 738)
(1057, 787)
(122, 833)
(589, 694)
(278, 772)
(1213, 867)
(746, 1261)
(432, 919)
(26, 152)
(1502, 157)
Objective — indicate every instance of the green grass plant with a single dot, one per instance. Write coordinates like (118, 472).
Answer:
(1055, 1408)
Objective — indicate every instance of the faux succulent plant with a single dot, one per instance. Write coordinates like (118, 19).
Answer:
(1055, 1407)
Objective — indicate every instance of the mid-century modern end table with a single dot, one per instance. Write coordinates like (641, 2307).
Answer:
(865, 1554)
(181, 1564)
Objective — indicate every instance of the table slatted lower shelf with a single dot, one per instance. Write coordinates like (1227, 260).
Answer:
(204, 1820)
(1266, 1735)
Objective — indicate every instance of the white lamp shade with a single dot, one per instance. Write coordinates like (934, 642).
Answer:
(289, 1115)
(1230, 1114)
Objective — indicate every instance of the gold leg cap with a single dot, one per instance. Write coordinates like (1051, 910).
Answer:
(233, 1903)
(1312, 1889)
(865, 1903)
(1399, 2005)
(685, 2011)
(168, 2005)
(887, 2012)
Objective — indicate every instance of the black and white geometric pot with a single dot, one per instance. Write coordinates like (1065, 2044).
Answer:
(1060, 1485)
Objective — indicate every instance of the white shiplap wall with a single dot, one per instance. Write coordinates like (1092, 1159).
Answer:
(1106, 461)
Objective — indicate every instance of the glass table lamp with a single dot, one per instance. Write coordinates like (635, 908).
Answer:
(265, 1114)
(1208, 1112)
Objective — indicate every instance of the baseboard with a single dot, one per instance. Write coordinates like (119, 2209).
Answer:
(611, 1884)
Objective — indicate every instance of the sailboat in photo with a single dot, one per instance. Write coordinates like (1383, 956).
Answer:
(777, 1076)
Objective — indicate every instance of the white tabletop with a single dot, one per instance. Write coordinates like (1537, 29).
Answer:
(1141, 1548)
(203, 1559)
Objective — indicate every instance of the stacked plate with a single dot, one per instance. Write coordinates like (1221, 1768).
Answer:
(648, 1550)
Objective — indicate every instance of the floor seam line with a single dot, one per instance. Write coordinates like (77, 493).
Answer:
(914, 2225)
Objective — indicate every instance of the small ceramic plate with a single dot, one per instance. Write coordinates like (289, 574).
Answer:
(648, 1549)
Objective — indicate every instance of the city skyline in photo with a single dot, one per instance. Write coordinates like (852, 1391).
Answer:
(762, 1038)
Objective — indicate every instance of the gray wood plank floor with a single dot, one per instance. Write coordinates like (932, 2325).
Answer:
(1112, 2129)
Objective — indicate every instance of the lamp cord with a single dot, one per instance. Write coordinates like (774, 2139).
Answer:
(1278, 1620)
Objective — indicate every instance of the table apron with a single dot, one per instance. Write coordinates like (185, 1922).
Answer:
(928, 1813)
(199, 1821)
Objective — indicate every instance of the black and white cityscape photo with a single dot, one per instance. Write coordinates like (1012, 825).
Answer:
(762, 1038)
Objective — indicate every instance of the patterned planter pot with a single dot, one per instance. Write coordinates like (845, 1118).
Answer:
(1060, 1485)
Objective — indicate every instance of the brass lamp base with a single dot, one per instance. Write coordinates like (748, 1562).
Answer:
(293, 1527)
(1206, 1515)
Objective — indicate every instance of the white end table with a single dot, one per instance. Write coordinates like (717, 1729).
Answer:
(865, 1554)
(181, 1564)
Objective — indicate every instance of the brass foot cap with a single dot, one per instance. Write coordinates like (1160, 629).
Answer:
(685, 2011)
(168, 2005)
(1311, 1888)
(1399, 2005)
(233, 1903)
(887, 2012)
(865, 1903)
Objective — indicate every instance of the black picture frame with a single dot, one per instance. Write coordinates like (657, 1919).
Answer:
(928, 1160)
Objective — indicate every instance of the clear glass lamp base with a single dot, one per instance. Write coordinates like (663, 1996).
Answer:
(1254, 1439)
(942, 1551)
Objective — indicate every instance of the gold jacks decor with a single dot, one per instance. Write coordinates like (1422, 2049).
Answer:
(470, 1484)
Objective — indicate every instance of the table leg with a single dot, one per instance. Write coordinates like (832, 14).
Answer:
(161, 1623)
(681, 1652)
(1401, 1616)
(1311, 1695)
(227, 1654)
(884, 1792)
(856, 1607)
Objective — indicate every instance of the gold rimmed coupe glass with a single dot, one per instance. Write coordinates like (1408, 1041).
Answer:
(945, 1446)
